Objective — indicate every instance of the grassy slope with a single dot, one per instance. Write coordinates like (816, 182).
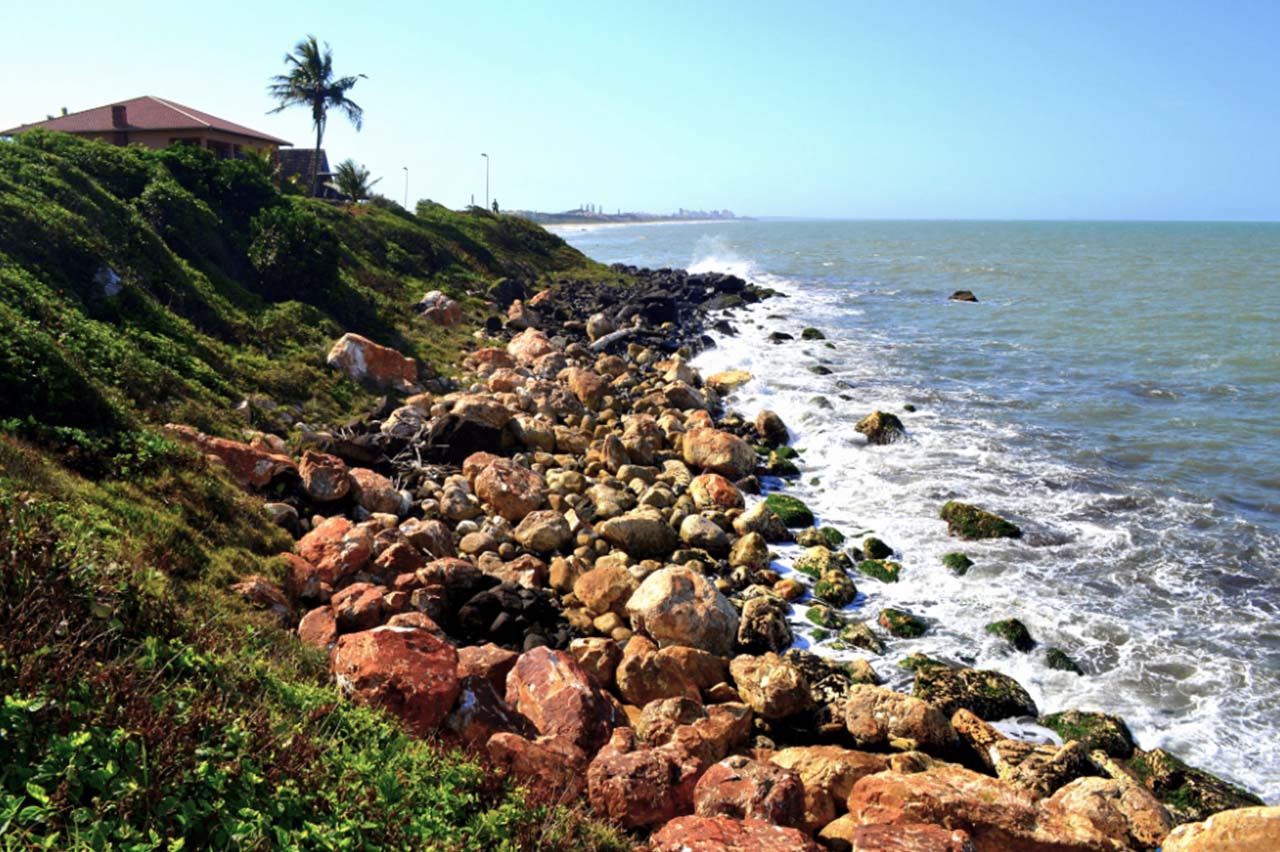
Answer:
(144, 707)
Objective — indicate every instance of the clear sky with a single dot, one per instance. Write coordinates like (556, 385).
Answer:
(1030, 109)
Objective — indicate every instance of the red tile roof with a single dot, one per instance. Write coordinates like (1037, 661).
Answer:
(144, 113)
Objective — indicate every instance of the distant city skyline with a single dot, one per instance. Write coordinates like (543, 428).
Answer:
(966, 110)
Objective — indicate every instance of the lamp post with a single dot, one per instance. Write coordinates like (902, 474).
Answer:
(406, 187)
(486, 180)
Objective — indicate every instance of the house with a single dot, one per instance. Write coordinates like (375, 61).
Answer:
(157, 123)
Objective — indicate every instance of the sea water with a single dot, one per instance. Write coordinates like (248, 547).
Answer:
(1115, 391)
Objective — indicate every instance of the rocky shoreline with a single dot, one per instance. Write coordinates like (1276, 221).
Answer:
(563, 563)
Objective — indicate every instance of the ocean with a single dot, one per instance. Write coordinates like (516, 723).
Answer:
(1115, 391)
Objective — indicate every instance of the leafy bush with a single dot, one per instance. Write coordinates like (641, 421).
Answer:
(294, 254)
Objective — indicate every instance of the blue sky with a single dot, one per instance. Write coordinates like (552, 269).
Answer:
(1034, 109)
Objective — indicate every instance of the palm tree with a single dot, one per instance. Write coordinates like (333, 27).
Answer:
(353, 181)
(310, 82)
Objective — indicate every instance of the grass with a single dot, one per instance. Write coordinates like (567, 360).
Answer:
(144, 706)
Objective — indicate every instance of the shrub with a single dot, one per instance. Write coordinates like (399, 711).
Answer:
(294, 254)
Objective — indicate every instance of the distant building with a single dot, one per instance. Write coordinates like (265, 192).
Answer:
(296, 163)
(156, 123)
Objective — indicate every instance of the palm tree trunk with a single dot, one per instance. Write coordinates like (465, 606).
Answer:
(315, 166)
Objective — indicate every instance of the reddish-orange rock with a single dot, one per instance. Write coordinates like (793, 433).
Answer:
(358, 607)
(1239, 830)
(480, 713)
(556, 766)
(587, 386)
(828, 774)
(632, 785)
(365, 361)
(260, 592)
(324, 477)
(726, 728)
(374, 491)
(430, 536)
(318, 628)
(643, 675)
(529, 345)
(481, 408)
(486, 360)
(417, 620)
(702, 667)
(303, 580)
(489, 661)
(513, 491)
(606, 589)
(249, 466)
(741, 787)
(336, 548)
(410, 673)
(913, 837)
(560, 698)
(725, 834)
(399, 559)
(713, 491)
(719, 452)
(473, 464)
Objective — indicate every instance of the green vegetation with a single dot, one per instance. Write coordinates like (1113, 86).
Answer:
(835, 588)
(1057, 659)
(144, 706)
(880, 569)
(874, 548)
(957, 563)
(902, 624)
(1190, 794)
(1093, 730)
(353, 180)
(971, 523)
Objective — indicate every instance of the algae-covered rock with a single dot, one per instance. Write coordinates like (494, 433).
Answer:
(824, 616)
(812, 334)
(1014, 632)
(793, 512)
(818, 560)
(835, 588)
(880, 569)
(916, 661)
(874, 548)
(827, 536)
(1058, 660)
(781, 467)
(1094, 731)
(857, 634)
(902, 624)
(1190, 794)
(987, 694)
(881, 427)
(957, 563)
(971, 523)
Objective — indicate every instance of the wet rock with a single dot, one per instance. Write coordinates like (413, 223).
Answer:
(881, 427)
(764, 626)
(771, 685)
(790, 510)
(719, 452)
(811, 333)
(324, 477)
(857, 634)
(971, 523)
(762, 519)
(1056, 659)
(728, 381)
(365, 361)
(409, 673)
(963, 296)
(557, 695)
(835, 588)
(743, 788)
(725, 834)
(987, 694)
(902, 624)
(677, 606)
(771, 430)
(874, 548)
(513, 491)
(1189, 793)
(877, 717)
(957, 563)
(1093, 730)
(818, 560)
(1014, 632)
(1241, 830)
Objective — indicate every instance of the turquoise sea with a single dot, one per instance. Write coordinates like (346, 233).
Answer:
(1116, 391)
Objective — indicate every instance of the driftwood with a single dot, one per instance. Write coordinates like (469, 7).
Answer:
(604, 342)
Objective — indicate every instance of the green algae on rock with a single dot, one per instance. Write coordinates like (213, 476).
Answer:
(957, 563)
(1190, 794)
(987, 694)
(812, 334)
(824, 616)
(1094, 731)
(902, 624)
(829, 537)
(792, 510)
(874, 548)
(835, 588)
(880, 569)
(1058, 660)
(881, 427)
(1014, 632)
(971, 523)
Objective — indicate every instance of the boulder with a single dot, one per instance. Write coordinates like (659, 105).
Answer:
(1014, 632)
(725, 834)
(728, 381)
(318, 628)
(771, 430)
(846, 833)
(1120, 809)
(988, 694)
(590, 388)
(336, 548)
(703, 534)
(791, 510)
(971, 523)
(365, 361)
(1093, 730)
(963, 296)
(480, 713)
(998, 816)
(560, 698)
(409, 673)
(836, 588)
(543, 531)
(431, 537)
(631, 785)
(599, 656)
(559, 766)
(642, 534)
(358, 607)
(488, 661)
(404, 423)
(877, 717)
(749, 551)
(713, 491)
(644, 675)
(828, 774)
(764, 627)
(771, 685)
(374, 492)
(511, 490)
(481, 408)
(250, 466)
(762, 519)
(1240, 830)
(719, 452)
(438, 309)
(744, 788)
(902, 624)
(660, 718)
(881, 569)
(880, 427)
(1189, 793)
(677, 606)
(324, 477)
(529, 345)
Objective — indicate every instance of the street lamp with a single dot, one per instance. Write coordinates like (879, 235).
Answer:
(406, 187)
(486, 180)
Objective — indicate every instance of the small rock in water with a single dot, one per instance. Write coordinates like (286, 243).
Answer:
(971, 523)
(1058, 660)
(963, 296)
(1014, 632)
(957, 563)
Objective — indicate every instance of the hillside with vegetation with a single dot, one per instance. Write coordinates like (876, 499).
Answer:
(145, 707)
